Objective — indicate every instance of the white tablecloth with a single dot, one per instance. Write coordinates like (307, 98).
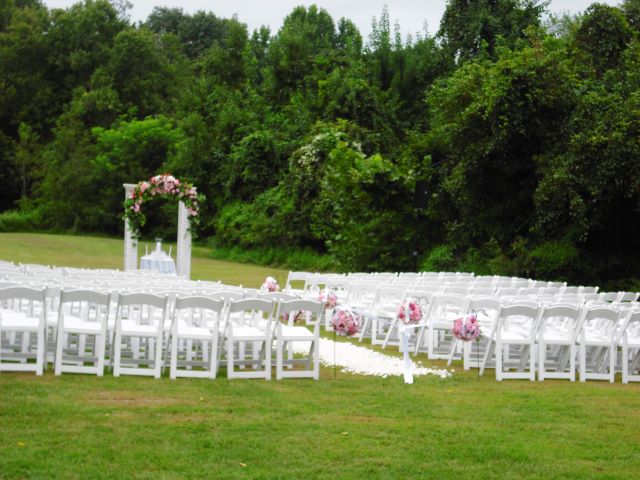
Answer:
(159, 262)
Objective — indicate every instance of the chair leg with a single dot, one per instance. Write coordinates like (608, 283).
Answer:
(583, 361)
(173, 367)
(268, 345)
(157, 364)
(625, 363)
(613, 353)
(387, 337)
(316, 358)
(279, 355)
(58, 359)
(532, 362)
(41, 352)
(542, 357)
(213, 364)
(572, 362)
(499, 361)
(487, 353)
(100, 348)
(117, 350)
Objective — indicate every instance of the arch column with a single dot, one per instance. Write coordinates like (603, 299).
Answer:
(130, 242)
(183, 255)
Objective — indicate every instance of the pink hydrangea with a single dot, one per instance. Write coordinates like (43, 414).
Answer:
(328, 298)
(345, 322)
(296, 317)
(270, 285)
(410, 311)
(466, 328)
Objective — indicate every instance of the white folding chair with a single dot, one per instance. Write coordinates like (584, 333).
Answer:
(286, 333)
(425, 299)
(196, 337)
(513, 338)
(22, 314)
(558, 330)
(630, 341)
(249, 323)
(81, 332)
(382, 312)
(598, 336)
(139, 328)
(446, 308)
(486, 310)
(296, 277)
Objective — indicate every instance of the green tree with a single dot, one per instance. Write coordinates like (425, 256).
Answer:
(472, 27)
(603, 36)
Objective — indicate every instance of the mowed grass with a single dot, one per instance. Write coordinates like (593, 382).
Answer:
(344, 426)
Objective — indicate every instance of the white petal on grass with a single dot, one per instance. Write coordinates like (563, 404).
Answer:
(364, 361)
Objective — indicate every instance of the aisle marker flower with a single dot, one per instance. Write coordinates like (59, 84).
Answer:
(270, 285)
(466, 328)
(345, 322)
(410, 311)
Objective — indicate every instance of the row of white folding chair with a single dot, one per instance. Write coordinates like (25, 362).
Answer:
(593, 333)
(139, 328)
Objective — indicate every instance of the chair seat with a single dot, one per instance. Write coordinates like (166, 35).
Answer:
(296, 333)
(596, 339)
(195, 333)
(245, 332)
(515, 336)
(10, 320)
(130, 327)
(78, 325)
(633, 341)
(556, 336)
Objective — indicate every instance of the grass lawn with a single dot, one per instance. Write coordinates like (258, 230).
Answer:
(350, 426)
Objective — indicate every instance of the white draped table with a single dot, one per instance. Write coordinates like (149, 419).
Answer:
(158, 261)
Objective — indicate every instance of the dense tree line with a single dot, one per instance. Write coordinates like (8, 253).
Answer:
(523, 129)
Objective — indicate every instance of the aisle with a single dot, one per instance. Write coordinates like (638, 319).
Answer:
(364, 361)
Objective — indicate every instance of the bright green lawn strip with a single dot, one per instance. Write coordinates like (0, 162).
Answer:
(462, 426)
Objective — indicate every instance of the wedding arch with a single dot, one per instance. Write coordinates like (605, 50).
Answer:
(165, 185)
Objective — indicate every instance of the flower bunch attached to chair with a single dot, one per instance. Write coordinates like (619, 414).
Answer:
(294, 317)
(410, 311)
(270, 285)
(466, 328)
(328, 298)
(345, 321)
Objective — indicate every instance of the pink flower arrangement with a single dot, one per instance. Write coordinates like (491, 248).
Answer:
(328, 298)
(296, 317)
(466, 328)
(166, 185)
(410, 311)
(345, 322)
(270, 285)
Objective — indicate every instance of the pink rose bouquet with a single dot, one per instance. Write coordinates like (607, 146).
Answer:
(345, 322)
(410, 311)
(466, 328)
(270, 285)
(328, 298)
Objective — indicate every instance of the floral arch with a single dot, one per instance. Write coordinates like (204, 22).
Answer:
(165, 185)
